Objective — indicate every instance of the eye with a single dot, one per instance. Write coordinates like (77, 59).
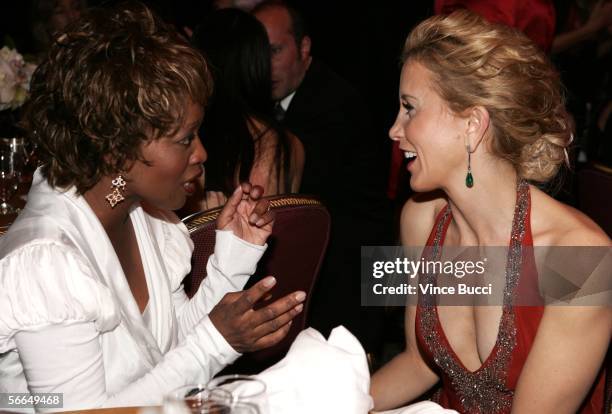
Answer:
(186, 141)
(409, 108)
(275, 50)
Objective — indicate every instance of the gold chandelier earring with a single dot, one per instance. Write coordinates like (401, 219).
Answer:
(116, 195)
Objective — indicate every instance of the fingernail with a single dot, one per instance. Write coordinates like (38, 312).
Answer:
(252, 218)
(269, 281)
(300, 296)
(299, 307)
(260, 222)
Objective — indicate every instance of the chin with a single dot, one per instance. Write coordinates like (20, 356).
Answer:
(421, 187)
(174, 204)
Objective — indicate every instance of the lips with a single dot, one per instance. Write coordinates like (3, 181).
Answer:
(190, 185)
(410, 156)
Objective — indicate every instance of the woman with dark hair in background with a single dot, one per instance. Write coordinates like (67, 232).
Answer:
(240, 132)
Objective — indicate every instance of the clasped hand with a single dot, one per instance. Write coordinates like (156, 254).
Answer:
(244, 328)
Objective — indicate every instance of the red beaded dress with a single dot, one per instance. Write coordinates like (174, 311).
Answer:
(490, 388)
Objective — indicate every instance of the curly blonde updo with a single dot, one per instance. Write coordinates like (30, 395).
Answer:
(476, 63)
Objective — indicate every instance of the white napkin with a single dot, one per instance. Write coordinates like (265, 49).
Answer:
(423, 407)
(320, 376)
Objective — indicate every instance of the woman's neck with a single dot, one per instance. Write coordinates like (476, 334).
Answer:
(482, 215)
(112, 219)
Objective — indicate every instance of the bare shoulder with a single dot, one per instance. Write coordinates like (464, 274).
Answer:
(296, 165)
(297, 148)
(556, 224)
(268, 138)
(419, 215)
(262, 132)
(257, 127)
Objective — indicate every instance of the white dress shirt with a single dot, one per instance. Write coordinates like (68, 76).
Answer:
(286, 101)
(70, 324)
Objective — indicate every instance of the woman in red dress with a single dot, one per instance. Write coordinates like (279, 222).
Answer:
(481, 120)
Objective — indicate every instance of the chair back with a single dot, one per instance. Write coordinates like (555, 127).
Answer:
(295, 252)
(595, 194)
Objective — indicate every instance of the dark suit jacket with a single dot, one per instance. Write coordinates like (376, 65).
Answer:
(344, 166)
(342, 152)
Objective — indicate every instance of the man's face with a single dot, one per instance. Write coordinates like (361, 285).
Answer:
(289, 62)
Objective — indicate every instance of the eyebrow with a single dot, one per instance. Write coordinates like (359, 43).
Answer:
(407, 96)
(195, 123)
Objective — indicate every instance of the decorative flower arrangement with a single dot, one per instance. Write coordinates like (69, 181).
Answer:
(15, 75)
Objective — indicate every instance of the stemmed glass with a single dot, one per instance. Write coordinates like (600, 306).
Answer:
(197, 399)
(249, 393)
(12, 161)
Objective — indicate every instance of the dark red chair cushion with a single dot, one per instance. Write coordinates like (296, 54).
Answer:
(295, 251)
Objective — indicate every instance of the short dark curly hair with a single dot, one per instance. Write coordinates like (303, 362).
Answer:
(116, 78)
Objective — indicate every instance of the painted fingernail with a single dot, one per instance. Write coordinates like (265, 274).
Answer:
(269, 281)
(299, 308)
(300, 296)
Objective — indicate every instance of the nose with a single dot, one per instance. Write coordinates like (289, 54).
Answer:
(199, 153)
(396, 132)
(274, 70)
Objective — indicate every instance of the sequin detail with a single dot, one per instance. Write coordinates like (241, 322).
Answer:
(484, 390)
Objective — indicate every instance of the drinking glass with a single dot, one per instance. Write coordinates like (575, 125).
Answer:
(17, 145)
(245, 408)
(248, 393)
(197, 399)
(11, 163)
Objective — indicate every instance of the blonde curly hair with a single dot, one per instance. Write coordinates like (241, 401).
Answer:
(477, 63)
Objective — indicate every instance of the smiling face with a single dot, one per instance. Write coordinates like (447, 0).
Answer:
(175, 162)
(429, 133)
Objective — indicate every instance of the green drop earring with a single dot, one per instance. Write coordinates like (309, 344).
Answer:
(469, 180)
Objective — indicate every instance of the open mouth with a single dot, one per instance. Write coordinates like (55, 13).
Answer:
(191, 185)
(410, 156)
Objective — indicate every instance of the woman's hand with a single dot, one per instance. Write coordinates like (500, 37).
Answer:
(247, 215)
(246, 329)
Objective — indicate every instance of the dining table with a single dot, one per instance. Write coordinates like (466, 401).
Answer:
(119, 410)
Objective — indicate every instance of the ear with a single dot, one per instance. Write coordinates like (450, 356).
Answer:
(305, 48)
(477, 127)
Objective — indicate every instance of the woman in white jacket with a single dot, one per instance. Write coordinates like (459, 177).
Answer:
(91, 300)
